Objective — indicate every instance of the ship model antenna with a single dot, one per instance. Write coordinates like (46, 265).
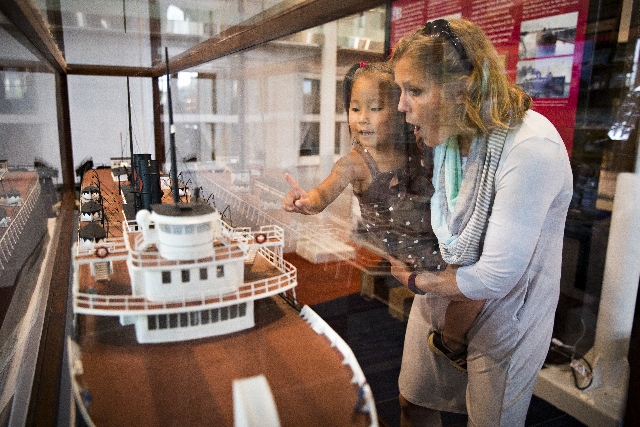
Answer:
(172, 136)
(130, 133)
(121, 158)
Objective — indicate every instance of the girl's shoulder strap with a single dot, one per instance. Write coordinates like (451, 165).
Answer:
(368, 159)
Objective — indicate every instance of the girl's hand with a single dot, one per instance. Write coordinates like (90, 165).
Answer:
(296, 200)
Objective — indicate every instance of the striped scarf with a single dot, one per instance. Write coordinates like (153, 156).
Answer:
(460, 221)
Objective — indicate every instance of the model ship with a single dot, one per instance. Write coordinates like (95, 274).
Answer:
(185, 308)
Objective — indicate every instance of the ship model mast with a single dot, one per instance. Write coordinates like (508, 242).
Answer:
(172, 136)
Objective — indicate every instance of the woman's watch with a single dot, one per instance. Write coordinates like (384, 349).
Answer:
(411, 284)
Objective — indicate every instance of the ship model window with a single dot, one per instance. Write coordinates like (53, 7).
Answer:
(172, 228)
(204, 317)
(233, 311)
(204, 227)
(152, 323)
(204, 274)
(214, 315)
(162, 322)
(243, 309)
(189, 229)
(194, 318)
(224, 313)
(184, 320)
(166, 277)
(173, 320)
(186, 276)
(220, 271)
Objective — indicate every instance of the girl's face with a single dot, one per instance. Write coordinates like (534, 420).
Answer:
(373, 117)
(424, 103)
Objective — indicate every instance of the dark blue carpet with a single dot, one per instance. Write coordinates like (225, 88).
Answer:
(376, 339)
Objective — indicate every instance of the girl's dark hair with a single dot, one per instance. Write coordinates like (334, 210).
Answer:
(361, 69)
(384, 70)
(347, 86)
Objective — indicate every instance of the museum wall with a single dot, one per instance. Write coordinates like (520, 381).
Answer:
(28, 122)
(100, 119)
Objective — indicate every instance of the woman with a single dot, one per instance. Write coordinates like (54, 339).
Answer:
(502, 189)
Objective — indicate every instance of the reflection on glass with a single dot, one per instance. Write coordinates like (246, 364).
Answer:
(18, 92)
(311, 96)
(29, 178)
(310, 145)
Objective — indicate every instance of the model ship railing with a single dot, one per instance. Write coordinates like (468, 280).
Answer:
(275, 259)
(321, 327)
(123, 304)
(116, 249)
(153, 259)
(235, 249)
(11, 235)
(272, 234)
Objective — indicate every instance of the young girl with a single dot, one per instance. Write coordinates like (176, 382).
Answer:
(383, 169)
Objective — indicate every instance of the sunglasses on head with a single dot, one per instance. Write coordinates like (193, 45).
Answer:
(441, 28)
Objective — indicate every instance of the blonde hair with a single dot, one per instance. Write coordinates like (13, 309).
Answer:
(490, 101)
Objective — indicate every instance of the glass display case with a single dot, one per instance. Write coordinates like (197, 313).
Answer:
(226, 98)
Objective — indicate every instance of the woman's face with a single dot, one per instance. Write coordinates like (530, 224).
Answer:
(373, 117)
(424, 104)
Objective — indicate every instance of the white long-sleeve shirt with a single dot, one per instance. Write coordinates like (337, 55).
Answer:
(518, 274)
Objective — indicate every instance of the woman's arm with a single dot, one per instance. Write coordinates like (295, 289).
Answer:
(442, 283)
(529, 181)
(532, 178)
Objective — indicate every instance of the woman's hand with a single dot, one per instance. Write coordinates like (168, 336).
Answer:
(400, 270)
(442, 283)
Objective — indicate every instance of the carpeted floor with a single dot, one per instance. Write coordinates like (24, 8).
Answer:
(376, 339)
(328, 281)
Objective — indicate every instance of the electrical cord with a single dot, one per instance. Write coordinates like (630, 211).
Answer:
(577, 368)
(581, 369)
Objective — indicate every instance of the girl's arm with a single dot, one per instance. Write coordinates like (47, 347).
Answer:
(317, 199)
